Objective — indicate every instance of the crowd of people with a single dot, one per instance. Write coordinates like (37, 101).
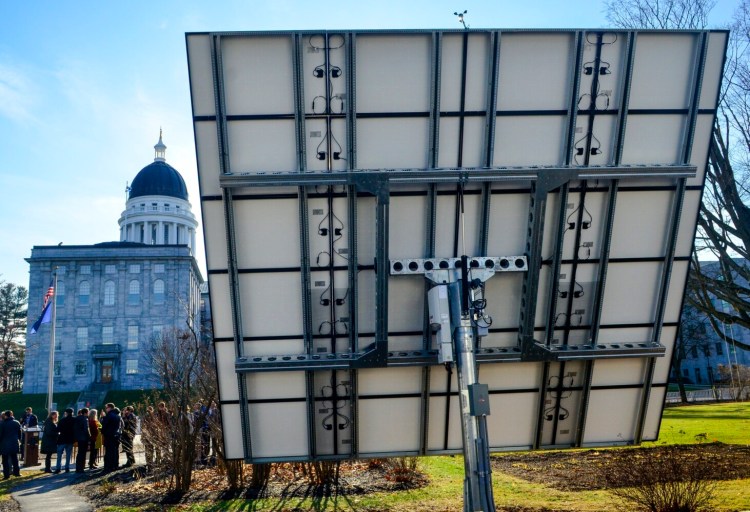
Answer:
(102, 436)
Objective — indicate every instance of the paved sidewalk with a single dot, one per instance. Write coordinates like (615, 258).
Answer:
(51, 493)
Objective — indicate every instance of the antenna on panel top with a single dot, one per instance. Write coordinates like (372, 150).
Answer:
(461, 19)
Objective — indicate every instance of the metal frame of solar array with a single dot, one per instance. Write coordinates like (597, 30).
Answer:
(311, 368)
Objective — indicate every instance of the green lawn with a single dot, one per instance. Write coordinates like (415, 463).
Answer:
(726, 423)
(18, 402)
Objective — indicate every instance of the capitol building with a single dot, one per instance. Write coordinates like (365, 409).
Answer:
(114, 298)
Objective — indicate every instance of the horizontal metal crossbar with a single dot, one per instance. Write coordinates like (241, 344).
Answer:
(422, 265)
(348, 360)
(449, 175)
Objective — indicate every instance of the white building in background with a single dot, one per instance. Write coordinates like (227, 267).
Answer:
(157, 211)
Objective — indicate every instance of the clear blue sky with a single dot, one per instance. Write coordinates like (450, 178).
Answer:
(85, 87)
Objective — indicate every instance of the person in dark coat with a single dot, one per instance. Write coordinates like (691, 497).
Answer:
(49, 440)
(65, 440)
(130, 426)
(28, 419)
(82, 437)
(10, 430)
(111, 432)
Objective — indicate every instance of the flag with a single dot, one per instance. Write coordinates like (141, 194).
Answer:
(46, 308)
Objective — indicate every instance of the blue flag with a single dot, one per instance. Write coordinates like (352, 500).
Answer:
(46, 316)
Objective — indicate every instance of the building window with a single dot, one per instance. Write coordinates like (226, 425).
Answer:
(82, 338)
(158, 291)
(110, 269)
(166, 207)
(131, 366)
(143, 207)
(156, 331)
(694, 352)
(108, 335)
(81, 367)
(58, 343)
(142, 234)
(134, 269)
(719, 349)
(166, 234)
(134, 293)
(85, 269)
(159, 268)
(58, 368)
(60, 300)
(698, 376)
(154, 207)
(109, 293)
(132, 337)
(685, 372)
(84, 290)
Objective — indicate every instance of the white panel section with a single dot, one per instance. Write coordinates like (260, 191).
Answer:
(602, 136)
(232, 428)
(408, 227)
(513, 419)
(664, 364)
(535, 70)
(474, 145)
(221, 309)
(676, 293)
(631, 292)
(626, 335)
(503, 294)
(215, 231)
(313, 72)
(251, 86)
(653, 414)
(366, 299)
(477, 77)
(701, 142)
(273, 347)
(509, 376)
(275, 385)
(388, 84)
(381, 381)
(270, 233)
(436, 427)
(611, 415)
(641, 224)
(533, 140)
(261, 146)
(688, 220)
(406, 298)
(662, 71)
(389, 425)
(392, 143)
(201, 75)
(271, 304)
(508, 218)
(653, 139)
(225, 358)
(208, 157)
(439, 381)
(279, 429)
(712, 70)
(618, 372)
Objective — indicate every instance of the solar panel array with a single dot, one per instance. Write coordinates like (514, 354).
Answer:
(332, 165)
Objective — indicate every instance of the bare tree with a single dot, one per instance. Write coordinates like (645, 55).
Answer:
(184, 365)
(692, 339)
(13, 301)
(659, 14)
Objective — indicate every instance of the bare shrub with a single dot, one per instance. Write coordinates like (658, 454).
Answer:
(402, 469)
(260, 475)
(663, 481)
(320, 472)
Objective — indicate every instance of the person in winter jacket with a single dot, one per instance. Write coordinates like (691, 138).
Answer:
(95, 438)
(49, 440)
(130, 426)
(10, 431)
(82, 437)
(65, 439)
(111, 432)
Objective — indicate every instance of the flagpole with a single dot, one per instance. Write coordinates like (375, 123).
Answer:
(51, 377)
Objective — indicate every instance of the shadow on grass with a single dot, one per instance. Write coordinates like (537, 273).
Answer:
(293, 497)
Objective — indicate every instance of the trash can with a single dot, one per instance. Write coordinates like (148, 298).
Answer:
(31, 446)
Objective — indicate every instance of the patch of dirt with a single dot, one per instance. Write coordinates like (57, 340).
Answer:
(129, 487)
(586, 469)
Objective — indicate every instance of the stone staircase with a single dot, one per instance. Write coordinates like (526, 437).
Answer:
(93, 395)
